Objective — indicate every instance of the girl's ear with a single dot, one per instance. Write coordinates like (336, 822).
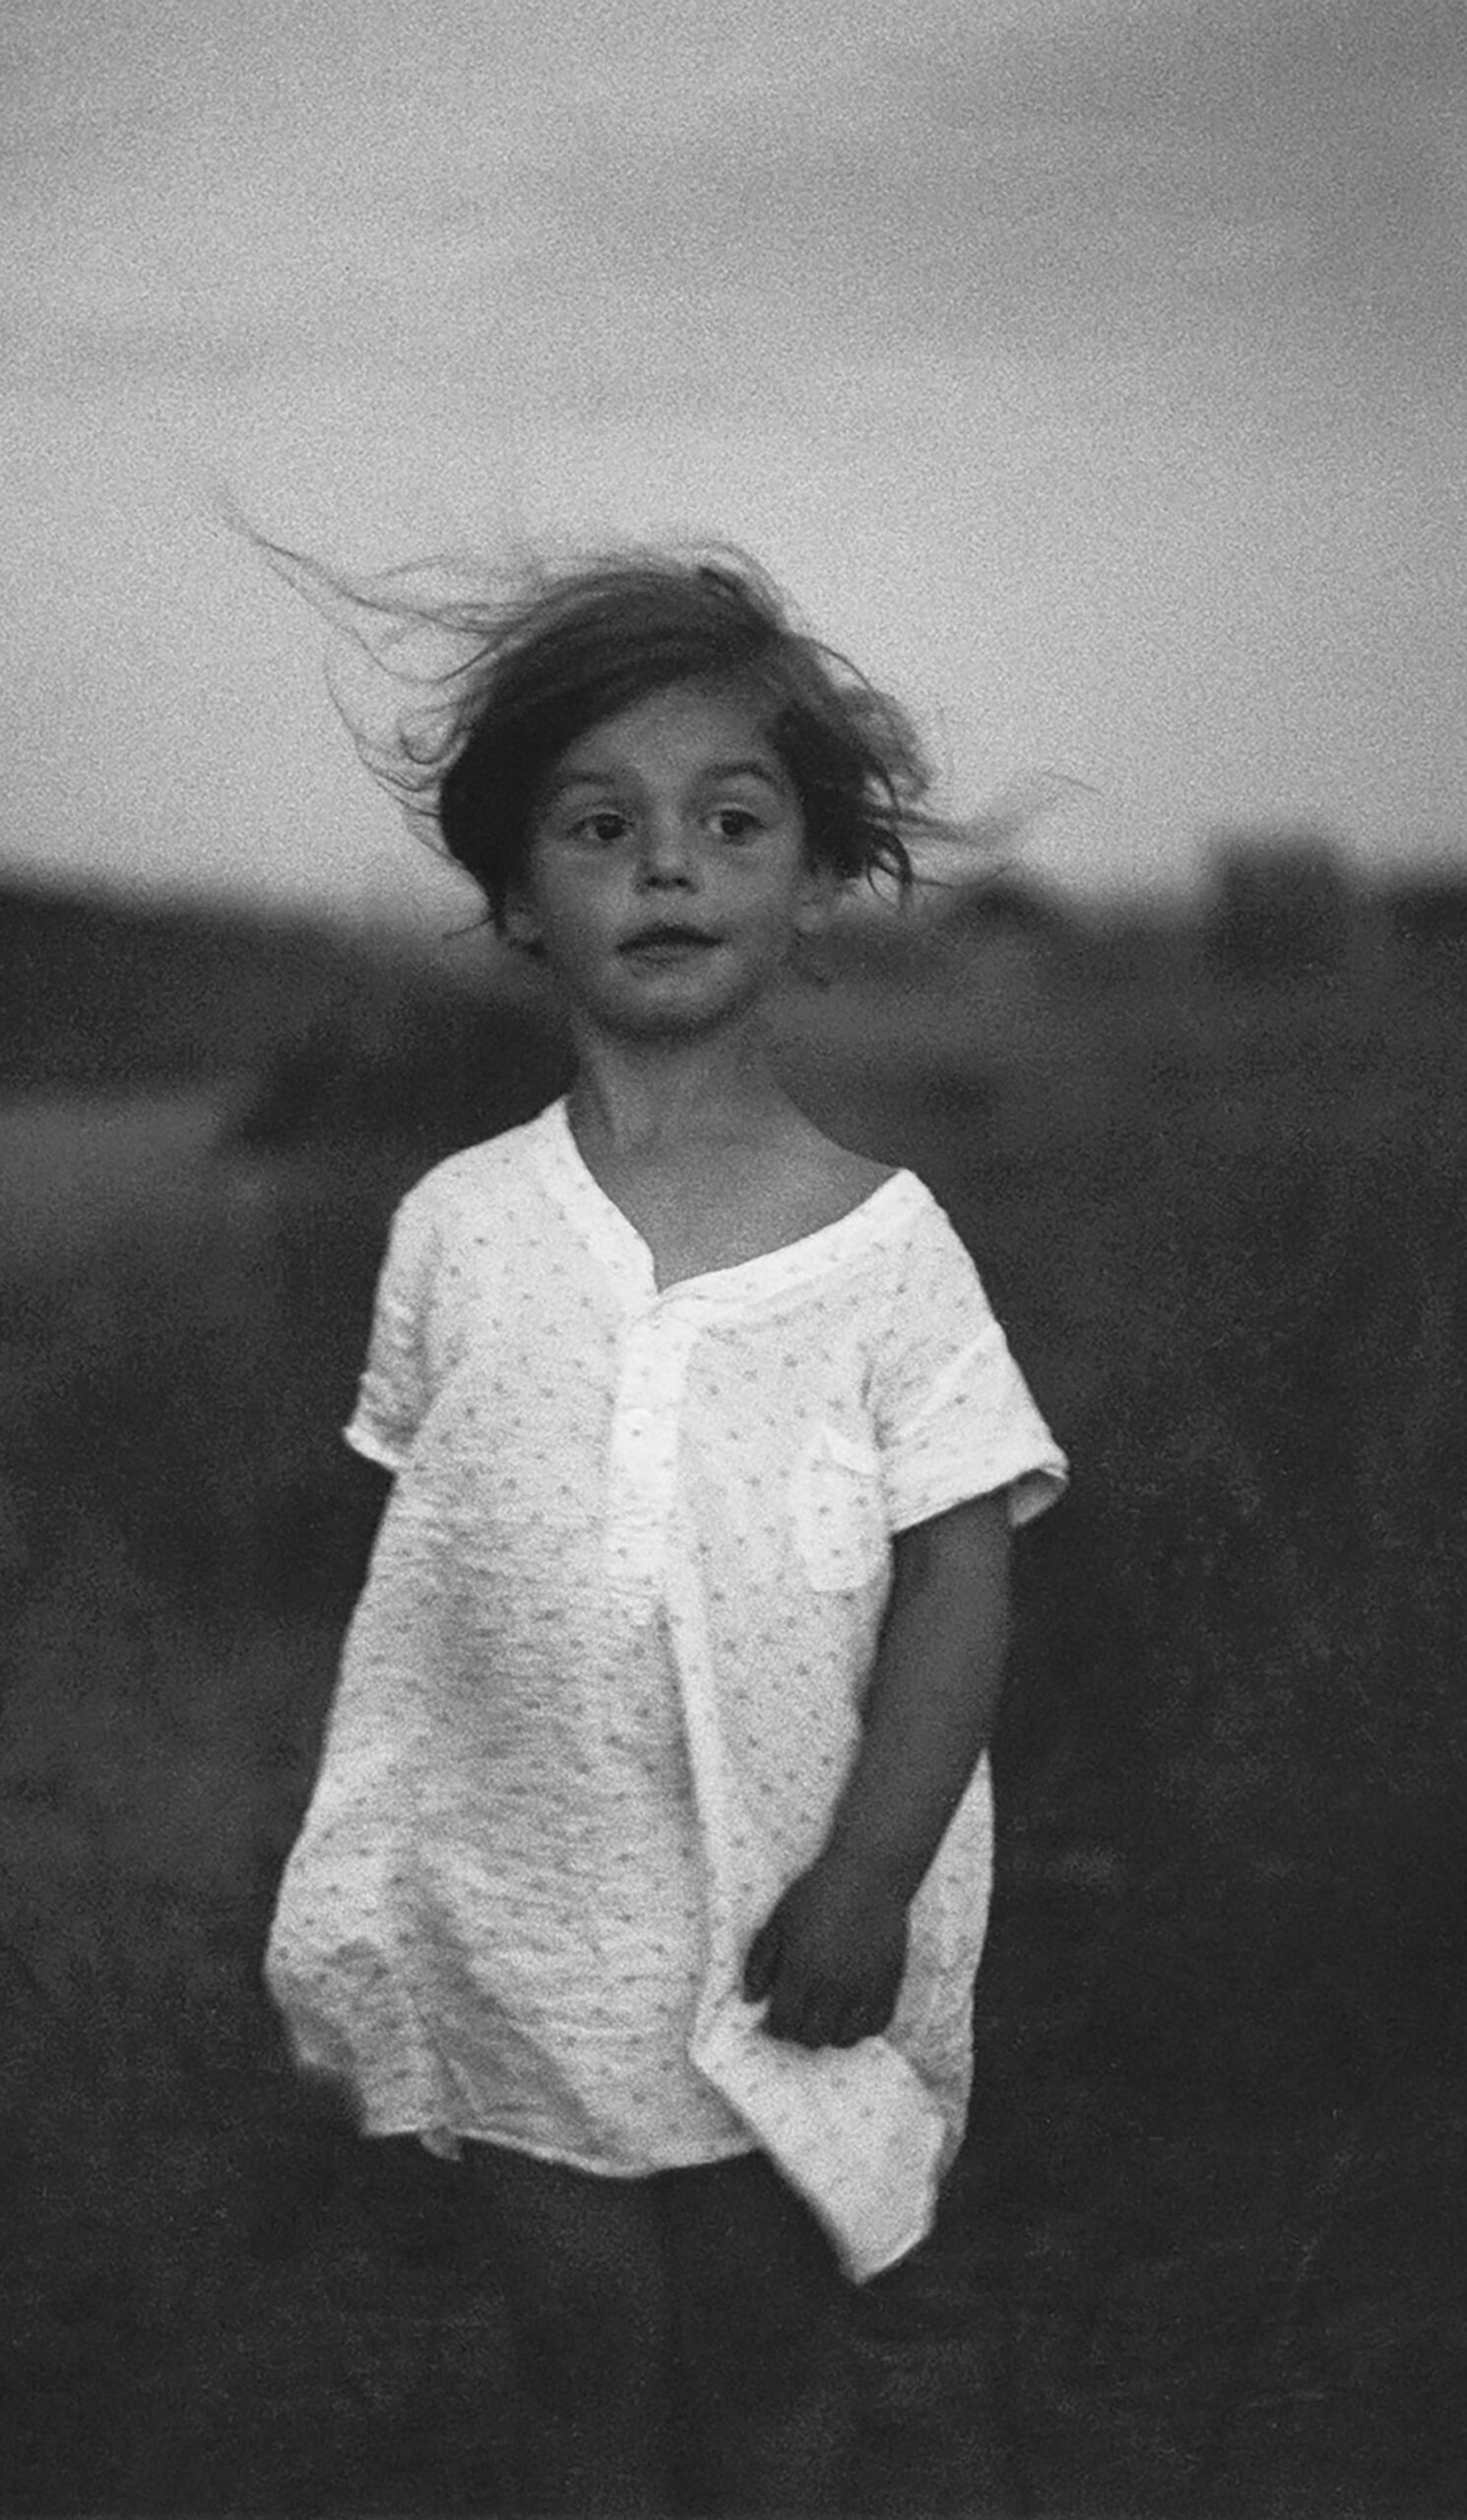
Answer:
(820, 891)
(521, 920)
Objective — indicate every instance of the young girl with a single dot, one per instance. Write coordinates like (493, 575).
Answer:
(645, 1872)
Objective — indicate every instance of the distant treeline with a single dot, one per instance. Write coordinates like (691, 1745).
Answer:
(98, 994)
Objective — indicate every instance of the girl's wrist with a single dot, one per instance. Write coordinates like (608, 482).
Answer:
(881, 1873)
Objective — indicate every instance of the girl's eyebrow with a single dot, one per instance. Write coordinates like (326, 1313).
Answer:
(568, 779)
(715, 773)
(709, 777)
(746, 770)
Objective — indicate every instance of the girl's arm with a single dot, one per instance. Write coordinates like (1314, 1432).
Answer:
(830, 1958)
(366, 1490)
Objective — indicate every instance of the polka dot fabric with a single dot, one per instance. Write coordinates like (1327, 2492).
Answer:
(605, 1680)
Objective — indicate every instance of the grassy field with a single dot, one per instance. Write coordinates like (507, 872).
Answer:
(1204, 2253)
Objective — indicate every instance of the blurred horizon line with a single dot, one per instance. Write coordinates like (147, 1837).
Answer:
(390, 903)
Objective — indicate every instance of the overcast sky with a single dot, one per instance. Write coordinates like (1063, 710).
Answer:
(1092, 371)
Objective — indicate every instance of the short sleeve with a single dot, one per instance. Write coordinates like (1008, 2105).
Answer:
(393, 1393)
(954, 1417)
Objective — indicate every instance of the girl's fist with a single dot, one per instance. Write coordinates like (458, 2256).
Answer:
(828, 1961)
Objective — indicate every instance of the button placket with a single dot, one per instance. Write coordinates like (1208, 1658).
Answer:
(642, 1470)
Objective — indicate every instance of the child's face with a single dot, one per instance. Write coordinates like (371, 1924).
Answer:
(666, 877)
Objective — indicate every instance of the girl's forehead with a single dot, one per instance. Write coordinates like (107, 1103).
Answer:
(689, 726)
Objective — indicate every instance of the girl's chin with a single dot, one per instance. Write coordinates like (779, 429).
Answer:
(673, 1003)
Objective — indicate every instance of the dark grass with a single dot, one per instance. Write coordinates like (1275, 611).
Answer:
(1204, 2253)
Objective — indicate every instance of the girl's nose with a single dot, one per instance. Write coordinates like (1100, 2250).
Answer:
(667, 857)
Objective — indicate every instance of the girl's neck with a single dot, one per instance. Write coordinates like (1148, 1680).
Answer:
(646, 1094)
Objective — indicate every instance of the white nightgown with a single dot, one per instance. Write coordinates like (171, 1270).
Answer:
(603, 1682)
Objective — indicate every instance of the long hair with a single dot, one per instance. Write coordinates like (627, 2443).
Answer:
(531, 658)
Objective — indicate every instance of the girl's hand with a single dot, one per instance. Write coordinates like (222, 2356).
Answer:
(829, 1958)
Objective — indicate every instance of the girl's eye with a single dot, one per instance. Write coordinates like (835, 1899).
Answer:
(736, 822)
(602, 828)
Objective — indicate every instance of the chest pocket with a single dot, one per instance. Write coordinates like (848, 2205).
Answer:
(839, 1511)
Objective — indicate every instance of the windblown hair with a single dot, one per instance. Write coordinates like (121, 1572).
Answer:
(564, 647)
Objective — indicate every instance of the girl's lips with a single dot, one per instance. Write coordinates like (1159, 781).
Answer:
(664, 944)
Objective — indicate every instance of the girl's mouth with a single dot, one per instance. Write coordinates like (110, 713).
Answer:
(668, 944)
